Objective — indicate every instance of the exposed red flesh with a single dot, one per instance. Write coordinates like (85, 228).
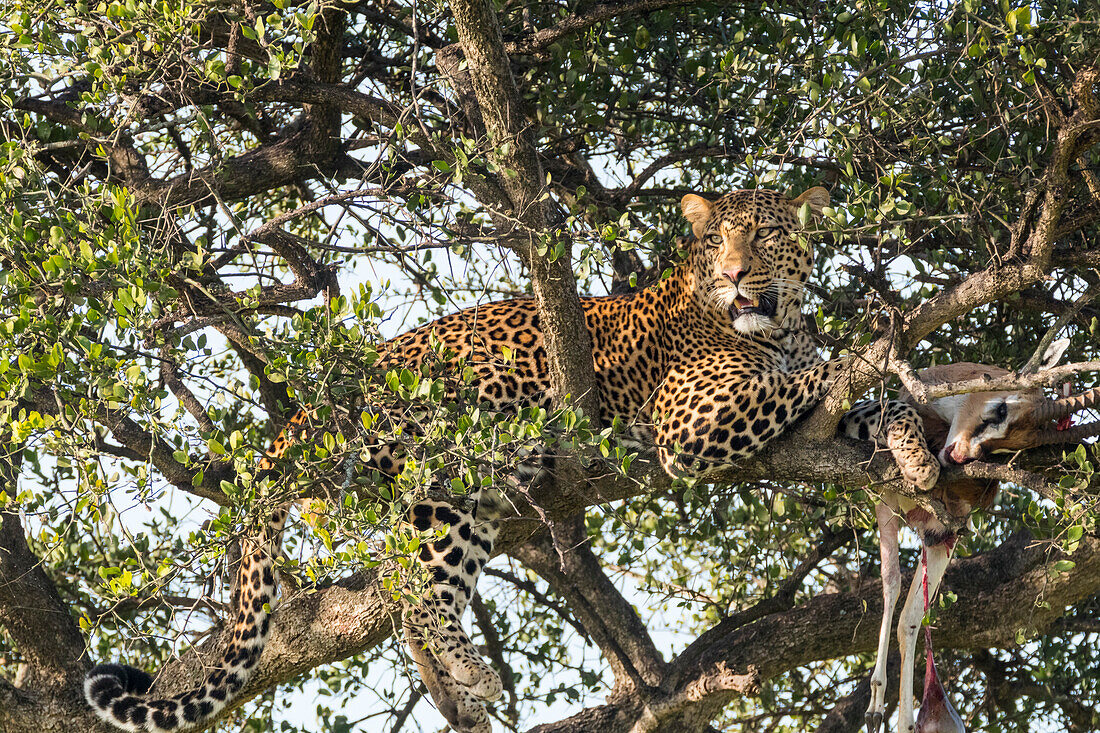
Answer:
(936, 714)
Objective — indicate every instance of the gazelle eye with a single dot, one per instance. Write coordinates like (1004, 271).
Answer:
(713, 240)
(765, 232)
(999, 416)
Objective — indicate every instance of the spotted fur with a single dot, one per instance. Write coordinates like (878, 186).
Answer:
(899, 427)
(449, 663)
(119, 694)
(709, 364)
(708, 369)
(457, 678)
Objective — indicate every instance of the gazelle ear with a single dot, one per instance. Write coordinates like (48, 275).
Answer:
(1053, 354)
(697, 210)
(817, 197)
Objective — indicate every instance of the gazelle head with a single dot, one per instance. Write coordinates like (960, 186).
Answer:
(981, 423)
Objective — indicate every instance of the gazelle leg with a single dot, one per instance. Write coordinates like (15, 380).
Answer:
(937, 557)
(891, 588)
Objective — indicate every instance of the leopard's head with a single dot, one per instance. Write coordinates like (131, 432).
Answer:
(749, 268)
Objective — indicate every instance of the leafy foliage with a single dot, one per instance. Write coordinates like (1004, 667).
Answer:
(212, 212)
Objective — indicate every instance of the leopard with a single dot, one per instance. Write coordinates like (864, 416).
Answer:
(707, 365)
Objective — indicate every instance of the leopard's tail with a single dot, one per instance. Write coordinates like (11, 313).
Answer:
(119, 694)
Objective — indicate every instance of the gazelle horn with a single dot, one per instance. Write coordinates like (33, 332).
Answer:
(1074, 434)
(1052, 409)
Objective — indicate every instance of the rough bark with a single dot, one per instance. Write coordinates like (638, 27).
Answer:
(568, 343)
(612, 623)
(34, 615)
(354, 615)
(31, 610)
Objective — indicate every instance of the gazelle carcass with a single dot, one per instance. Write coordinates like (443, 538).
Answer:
(961, 428)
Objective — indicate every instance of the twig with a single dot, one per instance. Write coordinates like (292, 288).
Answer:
(1010, 382)
(1036, 358)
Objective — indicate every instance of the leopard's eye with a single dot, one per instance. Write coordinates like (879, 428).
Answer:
(713, 241)
(765, 232)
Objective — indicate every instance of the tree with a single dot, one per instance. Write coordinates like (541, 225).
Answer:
(214, 210)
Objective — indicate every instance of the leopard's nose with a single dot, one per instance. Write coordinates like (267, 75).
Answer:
(737, 274)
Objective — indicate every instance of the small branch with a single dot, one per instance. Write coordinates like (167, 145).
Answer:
(274, 395)
(1092, 181)
(847, 715)
(170, 376)
(781, 600)
(271, 226)
(127, 605)
(1071, 313)
(404, 713)
(878, 283)
(541, 598)
(1010, 382)
(910, 379)
(1028, 479)
(578, 22)
(573, 572)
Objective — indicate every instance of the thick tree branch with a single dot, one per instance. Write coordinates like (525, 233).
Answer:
(568, 344)
(31, 610)
(610, 620)
(264, 168)
(833, 625)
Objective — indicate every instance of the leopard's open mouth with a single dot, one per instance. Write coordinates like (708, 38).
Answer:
(763, 305)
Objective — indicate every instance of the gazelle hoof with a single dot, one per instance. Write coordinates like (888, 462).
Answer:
(874, 722)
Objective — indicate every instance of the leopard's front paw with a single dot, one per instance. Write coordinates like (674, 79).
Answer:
(922, 470)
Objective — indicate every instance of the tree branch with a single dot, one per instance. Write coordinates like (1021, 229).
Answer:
(31, 610)
(577, 22)
(610, 620)
(988, 612)
(568, 344)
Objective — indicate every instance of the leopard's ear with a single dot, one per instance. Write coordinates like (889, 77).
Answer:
(817, 197)
(697, 210)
